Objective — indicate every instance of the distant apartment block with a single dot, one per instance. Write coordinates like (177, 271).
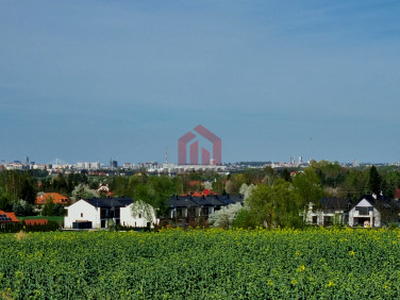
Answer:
(87, 165)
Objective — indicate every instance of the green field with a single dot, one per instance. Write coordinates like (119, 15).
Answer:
(201, 264)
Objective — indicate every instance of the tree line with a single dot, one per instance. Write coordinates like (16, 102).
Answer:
(288, 189)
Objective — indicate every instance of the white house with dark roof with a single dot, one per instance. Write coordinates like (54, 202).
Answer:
(329, 211)
(182, 209)
(100, 212)
(374, 211)
(369, 211)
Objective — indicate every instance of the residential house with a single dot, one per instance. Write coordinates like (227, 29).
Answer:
(369, 211)
(330, 211)
(100, 212)
(57, 198)
(374, 211)
(182, 209)
(8, 217)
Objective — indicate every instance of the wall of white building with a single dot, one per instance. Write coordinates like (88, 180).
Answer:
(374, 216)
(82, 211)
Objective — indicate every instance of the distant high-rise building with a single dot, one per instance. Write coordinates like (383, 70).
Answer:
(355, 163)
(113, 164)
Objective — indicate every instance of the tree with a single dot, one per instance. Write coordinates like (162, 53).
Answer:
(28, 189)
(374, 182)
(246, 190)
(4, 202)
(155, 191)
(218, 187)
(224, 217)
(48, 207)
(145, 210)
(60, 184)
(244, 219)
(353, 185)
(276, 205)
(286, 175)
(22, 208)
(269, 176)
(308, 188)
(82, 191)
(18, 185)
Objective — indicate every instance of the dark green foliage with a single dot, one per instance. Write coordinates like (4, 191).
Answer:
(58, 210)
(155, 191)
(16, 185)
(28, 190)
(63, 185)
(374, 181)
(330, 174)
(218, 187)
(285, 175)
(276, 205)
(22, 208)
(353, 186)
(48, 208)
(5, 203)
(245, 219)
(16, 227)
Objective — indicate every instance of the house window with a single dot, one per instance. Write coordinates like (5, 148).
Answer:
(315, 220)
(363, 211)
(328, 221)
(81, 215)
(205, 211)
(192, 212)
(140, 216)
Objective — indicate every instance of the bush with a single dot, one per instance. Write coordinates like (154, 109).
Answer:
(22, 208)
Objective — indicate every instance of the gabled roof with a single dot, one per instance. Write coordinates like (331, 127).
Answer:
(380, 202)
(190, 201)
(334, 203)
(207, 201)
(6, 217)
(179, 202)
(57, 198)
(109, 202)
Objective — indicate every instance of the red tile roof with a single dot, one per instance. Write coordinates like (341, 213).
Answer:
(36, 221)
(57, 198)
(205, 193)
(10, 215)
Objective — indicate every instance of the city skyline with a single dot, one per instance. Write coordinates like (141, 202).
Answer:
(86, 81)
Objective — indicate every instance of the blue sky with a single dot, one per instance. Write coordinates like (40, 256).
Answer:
(90, 80)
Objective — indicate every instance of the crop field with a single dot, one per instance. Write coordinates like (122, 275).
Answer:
(201, 264)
